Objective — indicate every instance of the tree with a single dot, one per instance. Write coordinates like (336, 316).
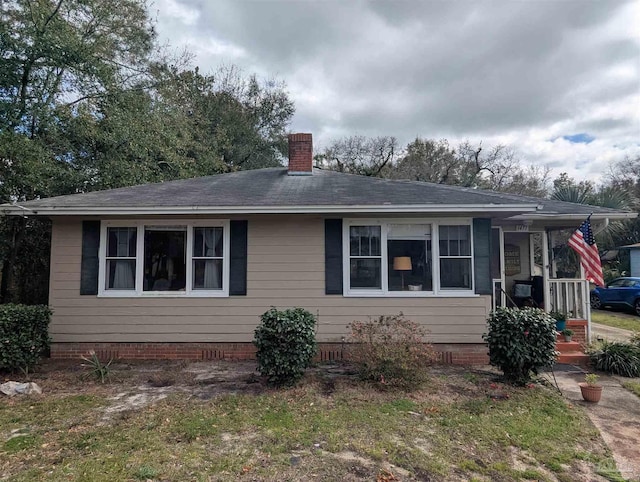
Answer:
(56, 55)
(428, 160)
(497, 168)
(240, 120)
(89, 101)
(360, 155)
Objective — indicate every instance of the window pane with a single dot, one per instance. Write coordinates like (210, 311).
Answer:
(364, 240)
(455, 240)
(207, 274)
(121, 274)
(164, 259)
(207, 242)
(409, 231)
(443, 233)
(418, 277)
(121, 242)
(464, 235)
(455, 273)
(365, 273)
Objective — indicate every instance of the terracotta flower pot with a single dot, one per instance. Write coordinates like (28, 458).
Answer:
(591, 393)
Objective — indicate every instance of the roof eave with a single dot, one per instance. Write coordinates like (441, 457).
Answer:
(620, 215)
(340, 209)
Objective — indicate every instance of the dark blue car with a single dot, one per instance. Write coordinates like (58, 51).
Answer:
(620, 293)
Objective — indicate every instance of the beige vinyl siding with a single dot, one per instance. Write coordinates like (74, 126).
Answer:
(285, 268)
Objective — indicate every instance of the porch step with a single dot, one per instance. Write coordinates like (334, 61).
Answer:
(568, 346)
(574, 358)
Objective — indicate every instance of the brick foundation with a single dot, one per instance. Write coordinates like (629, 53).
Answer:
(450, 354)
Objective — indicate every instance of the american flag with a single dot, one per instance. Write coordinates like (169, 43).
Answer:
(583, 243)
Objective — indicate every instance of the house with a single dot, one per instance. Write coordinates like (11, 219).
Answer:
(184, 269)
(634, 258)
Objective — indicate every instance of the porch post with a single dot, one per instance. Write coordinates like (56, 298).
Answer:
(553, 268)
(586, 300)
(545, 272)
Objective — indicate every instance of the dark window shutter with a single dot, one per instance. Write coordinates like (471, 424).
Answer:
(89, 264)
(238, 261)
(333, 256)
(482, 255)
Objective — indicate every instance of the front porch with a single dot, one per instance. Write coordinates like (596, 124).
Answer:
(531, 268)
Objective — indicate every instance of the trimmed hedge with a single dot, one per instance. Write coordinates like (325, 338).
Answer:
(521, 342)
(285, 342)
(24, 335)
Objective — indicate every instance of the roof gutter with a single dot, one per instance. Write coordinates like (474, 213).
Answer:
(179, 210)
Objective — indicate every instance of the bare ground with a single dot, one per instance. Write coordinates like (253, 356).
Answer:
(136, 385)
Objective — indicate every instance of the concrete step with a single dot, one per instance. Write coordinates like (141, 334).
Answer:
(574, 358)
(567, 346)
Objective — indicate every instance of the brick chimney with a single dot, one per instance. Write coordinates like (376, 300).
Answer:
(300, 155)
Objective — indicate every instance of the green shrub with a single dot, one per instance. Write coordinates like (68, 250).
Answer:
(616, 357)
(521, 342)
(24, 336)
(285, 342)
(391, 351)
(100, 370)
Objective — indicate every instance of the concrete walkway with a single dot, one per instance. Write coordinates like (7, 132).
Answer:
(609, 333)
(617, 415)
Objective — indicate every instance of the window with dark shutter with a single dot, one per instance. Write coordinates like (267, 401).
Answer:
(482, 255)
(333, 256)
(90, 263)
(238, 258)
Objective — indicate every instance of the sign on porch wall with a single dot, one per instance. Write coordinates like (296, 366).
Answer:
(511, 259)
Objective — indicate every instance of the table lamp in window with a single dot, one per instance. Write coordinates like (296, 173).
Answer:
(402, 264)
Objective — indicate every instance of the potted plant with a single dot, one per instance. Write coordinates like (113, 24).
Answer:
(567, 333)
(590, 389)
(561, 320)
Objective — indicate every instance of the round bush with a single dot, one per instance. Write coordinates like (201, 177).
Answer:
(521, 342)
(286, 343)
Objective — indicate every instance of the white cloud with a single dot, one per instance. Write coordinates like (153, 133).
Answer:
(521, 73)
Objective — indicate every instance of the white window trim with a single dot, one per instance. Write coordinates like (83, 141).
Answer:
(454, 291)
(435, 258)
(188, 292)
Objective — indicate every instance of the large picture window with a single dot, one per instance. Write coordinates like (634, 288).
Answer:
(407, 258)
(161, 259)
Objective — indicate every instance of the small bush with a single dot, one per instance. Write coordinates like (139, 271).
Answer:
(521, 342)
(24, 336)
(286, 343)
(391, 351)
(616, 357)
(99, 369)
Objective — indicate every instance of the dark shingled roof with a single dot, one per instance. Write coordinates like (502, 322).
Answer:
(274, 187)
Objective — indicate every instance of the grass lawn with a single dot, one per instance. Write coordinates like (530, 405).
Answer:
(616, 319)
(182, 422)
(632, 387)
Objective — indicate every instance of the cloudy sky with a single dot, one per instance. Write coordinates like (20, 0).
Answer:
(558, 80)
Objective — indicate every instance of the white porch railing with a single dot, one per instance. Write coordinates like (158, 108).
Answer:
(570, 296)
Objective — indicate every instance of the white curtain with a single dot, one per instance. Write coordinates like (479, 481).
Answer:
(212, 275)
(123, 278)
(124, 272)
